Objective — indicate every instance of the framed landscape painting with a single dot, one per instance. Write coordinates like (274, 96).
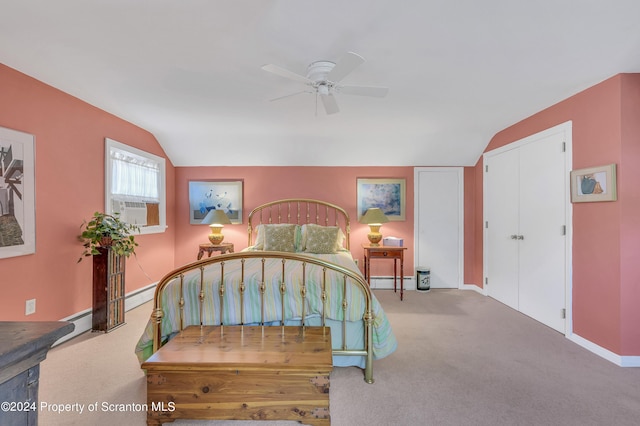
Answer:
(388, 194)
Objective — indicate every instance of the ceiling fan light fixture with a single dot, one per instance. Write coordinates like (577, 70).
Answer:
(323, 89)
(318, 71)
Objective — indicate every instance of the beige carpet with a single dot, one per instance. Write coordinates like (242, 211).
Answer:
(463, 359)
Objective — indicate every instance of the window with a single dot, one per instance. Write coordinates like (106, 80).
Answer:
(135, 186)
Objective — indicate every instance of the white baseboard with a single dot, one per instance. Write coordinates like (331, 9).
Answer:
(139, 297)
(619, 360)
(83, 320)
(386, 283)
(630, 361)
(474, 288)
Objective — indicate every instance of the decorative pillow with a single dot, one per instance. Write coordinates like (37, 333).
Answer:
(321, 239)
(281, 237)
(339, 240)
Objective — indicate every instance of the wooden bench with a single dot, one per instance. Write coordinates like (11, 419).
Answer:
(241, 373)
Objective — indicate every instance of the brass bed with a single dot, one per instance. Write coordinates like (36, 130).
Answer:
(304, 282)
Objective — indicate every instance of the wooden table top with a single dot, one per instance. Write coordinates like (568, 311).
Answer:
(25, 344)
(245, 347)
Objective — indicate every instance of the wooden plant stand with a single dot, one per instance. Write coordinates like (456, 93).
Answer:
(108, 290)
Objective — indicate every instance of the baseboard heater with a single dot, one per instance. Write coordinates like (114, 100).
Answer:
(386, 283)
(83, 320)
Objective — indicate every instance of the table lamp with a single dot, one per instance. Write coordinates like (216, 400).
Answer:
(216, 219)
(374, 218)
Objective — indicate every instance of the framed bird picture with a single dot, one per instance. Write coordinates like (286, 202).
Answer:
(223, 195)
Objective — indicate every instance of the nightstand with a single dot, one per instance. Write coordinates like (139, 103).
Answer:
(210, 248)
(385, 252)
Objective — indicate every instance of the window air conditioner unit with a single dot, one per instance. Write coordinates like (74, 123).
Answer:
(131, 212)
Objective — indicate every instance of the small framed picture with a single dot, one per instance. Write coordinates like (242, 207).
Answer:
(594, 184)
(386, 194)
(215, 195)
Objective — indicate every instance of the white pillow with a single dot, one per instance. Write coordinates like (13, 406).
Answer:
(259, 243)
(340, 240)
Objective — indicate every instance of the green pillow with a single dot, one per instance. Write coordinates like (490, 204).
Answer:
(321, 239)
(281, 237)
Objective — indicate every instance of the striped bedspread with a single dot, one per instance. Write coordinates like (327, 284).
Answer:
(249, 309)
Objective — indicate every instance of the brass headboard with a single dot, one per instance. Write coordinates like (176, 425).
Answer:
(300, 211)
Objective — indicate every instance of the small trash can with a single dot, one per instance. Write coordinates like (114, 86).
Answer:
(423, 279)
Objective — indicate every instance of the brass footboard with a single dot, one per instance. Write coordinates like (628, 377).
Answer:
(352, 285)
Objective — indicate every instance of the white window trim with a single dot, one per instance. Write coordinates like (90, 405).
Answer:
(110, 143)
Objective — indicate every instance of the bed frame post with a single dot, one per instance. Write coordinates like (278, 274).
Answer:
(283, 290)
(303, 293)
(156, 318)
(221, 292)
(181, 303)
(242, 289)
(263, 288)
(201, 296)
(368, 323)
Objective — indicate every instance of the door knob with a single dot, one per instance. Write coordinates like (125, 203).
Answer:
(514, 237)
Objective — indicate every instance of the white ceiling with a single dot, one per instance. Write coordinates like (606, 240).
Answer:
(189, 71)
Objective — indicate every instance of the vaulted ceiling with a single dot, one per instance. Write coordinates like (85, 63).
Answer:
(189, 71)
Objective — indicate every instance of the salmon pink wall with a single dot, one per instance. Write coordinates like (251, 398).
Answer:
(629, 195)
(605, 235)
(69, 184)
(263, 184)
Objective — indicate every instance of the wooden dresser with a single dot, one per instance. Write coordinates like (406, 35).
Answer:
(241, 373)
(23, 345)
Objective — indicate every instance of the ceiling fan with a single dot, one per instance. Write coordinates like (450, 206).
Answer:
(323, 79)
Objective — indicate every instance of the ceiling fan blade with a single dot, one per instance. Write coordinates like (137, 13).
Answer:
(330, 104)
(282, 72)
(349, 62)
(289, 95)
(378, 92)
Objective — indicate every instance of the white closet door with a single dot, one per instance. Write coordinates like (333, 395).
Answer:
(526, 248)
(439, 224)
(502, 208)
(542, 218)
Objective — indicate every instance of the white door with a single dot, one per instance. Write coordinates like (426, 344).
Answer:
(439, 224)
(542, 231)
(525, 218)
(502, 204)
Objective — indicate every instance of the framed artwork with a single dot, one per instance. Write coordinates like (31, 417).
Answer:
(594, 184)
(386, 194)
(220, 195)
(17, 193)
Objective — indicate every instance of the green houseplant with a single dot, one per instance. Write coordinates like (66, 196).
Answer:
(105, 230)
